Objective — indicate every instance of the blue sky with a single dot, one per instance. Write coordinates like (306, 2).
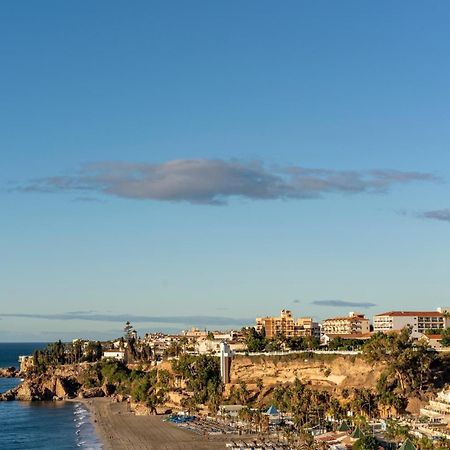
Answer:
(176, 160)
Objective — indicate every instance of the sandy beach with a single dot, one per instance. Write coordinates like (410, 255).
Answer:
(120, 429)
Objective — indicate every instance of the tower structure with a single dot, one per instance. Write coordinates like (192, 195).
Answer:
(226, 356)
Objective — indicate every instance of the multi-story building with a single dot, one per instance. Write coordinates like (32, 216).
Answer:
(418, 321)
(354, 323)
(287, 326)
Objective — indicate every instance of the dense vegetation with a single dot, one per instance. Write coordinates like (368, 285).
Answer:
(147, 387)
(257, 342)
(202, 376)
(59, 353)
(407, 362)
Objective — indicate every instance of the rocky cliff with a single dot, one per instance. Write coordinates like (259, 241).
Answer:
(330, 372)
(319, 370)
(61, 382)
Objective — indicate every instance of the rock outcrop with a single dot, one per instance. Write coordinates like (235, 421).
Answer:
(9, 395)
(62, 382)
(91, 392)
(57, 383)
(43, 388)
(8, 372)
(318, 370)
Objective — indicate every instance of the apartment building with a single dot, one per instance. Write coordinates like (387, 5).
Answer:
(354, 323)
(285, 325)
(418, 321)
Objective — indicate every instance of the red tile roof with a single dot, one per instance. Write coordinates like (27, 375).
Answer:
(411, 314)
(433, 336)
(350, 318)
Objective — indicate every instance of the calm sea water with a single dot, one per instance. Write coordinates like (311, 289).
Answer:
(41, 425)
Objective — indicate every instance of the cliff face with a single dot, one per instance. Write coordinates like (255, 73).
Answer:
(329, 372)
(61, 382)
(321, 371)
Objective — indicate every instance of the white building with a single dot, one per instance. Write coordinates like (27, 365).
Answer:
(418, 321)
(439, 409)
(207, 346)
(118, 355)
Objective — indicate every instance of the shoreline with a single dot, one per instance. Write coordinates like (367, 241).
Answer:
(119, 429)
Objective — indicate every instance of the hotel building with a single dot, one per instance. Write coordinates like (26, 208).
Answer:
(287, 326)
(418, 321)
(354, 323)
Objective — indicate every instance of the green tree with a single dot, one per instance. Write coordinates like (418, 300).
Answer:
(407, 362)
(202, 375)
(259, 384)
(128, 331)
(366, 443)
(256, 342)
(445, 338)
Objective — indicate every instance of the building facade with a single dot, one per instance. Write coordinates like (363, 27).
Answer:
(285, 325)
(417, 321)
(354, 323)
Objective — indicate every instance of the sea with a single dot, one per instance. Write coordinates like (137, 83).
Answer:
(41, 425)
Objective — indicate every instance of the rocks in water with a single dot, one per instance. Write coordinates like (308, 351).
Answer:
(44, 387)
(60, 382)
(9, 395)
(29, 390)
(8, 372)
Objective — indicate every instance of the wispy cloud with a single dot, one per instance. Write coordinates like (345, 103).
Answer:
(342, 303)
(88, 200)
(438, 214)
(98, 317)
(213, 181)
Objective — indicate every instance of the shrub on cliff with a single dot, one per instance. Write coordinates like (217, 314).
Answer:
(115, 372)
(202, 375)
(408, 362)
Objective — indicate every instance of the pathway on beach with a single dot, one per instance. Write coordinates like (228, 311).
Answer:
(121, 430)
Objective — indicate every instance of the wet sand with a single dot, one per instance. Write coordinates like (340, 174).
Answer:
(119, 429)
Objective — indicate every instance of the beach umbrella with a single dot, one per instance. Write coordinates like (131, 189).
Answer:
(343, 426)
(357, 433)
(272, 411)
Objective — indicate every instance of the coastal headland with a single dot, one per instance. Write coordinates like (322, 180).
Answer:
(391, 376)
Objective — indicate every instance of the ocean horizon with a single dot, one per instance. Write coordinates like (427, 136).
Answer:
(41, 425)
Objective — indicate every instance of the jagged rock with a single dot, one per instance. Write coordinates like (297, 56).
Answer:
(62, 382)
(9, 395)
(108, 389)
(66, 388)
(25, 392)
(8, 372)
(91, 392)
(119, 398)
